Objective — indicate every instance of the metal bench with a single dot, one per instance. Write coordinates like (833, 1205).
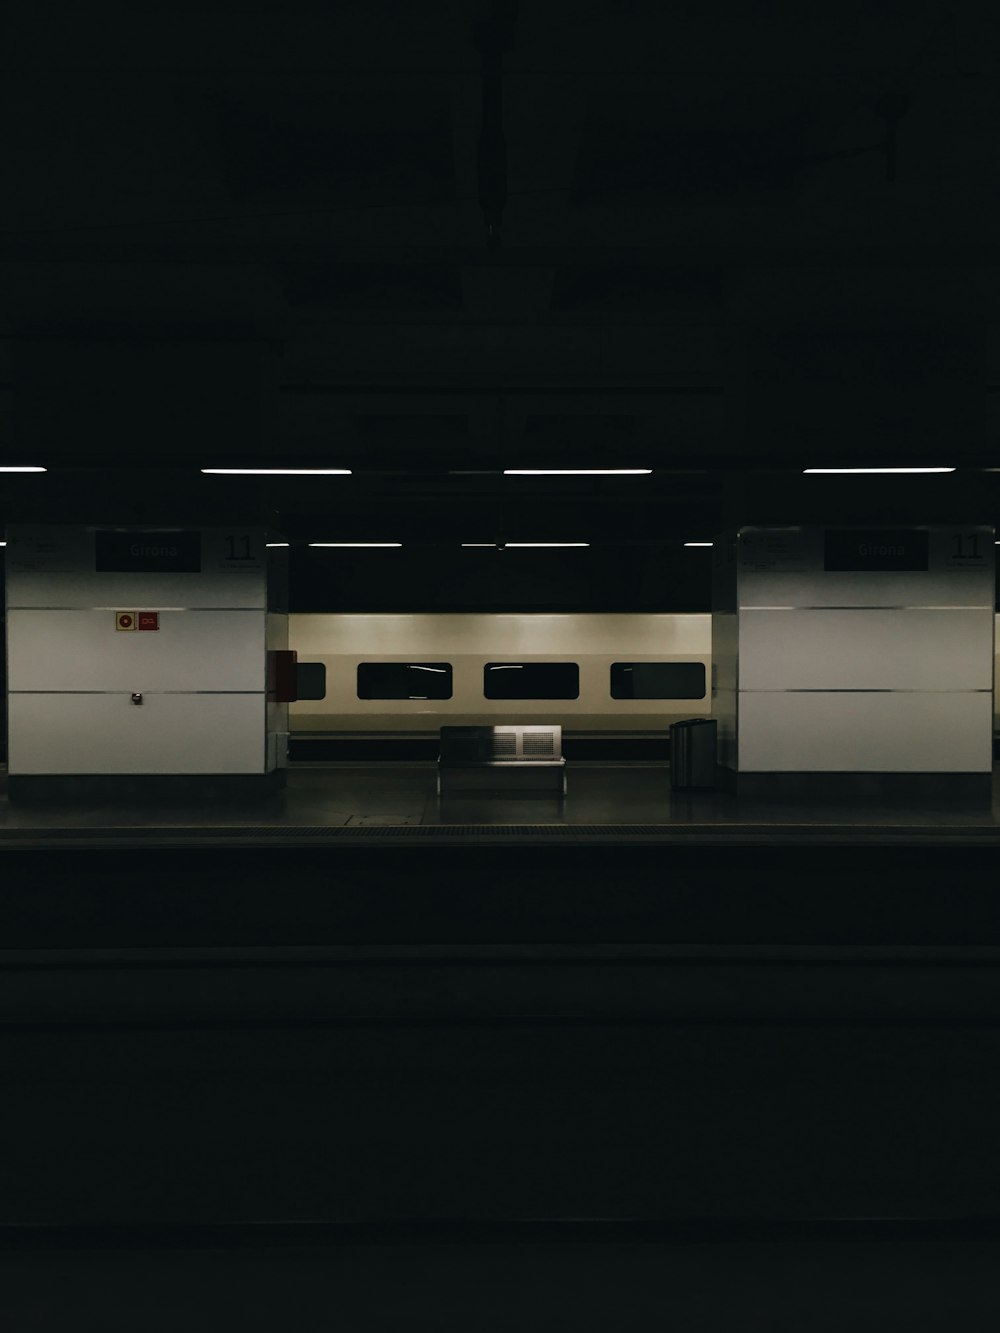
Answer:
(513, 760)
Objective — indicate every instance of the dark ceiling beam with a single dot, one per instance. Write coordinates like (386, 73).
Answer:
(493, 37)
(119, 245)
(359, 387)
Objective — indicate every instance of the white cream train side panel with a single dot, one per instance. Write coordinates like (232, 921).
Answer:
(469, 640)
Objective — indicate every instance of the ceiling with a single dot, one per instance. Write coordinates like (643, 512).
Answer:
(725, 242)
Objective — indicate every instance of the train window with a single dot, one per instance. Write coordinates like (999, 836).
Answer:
(404, 680)
(310, 680)
(531, 680)
(657, 680)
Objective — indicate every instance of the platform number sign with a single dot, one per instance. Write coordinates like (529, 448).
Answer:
(967, 551)
(234, 550)
(238, 547)
(965, 546)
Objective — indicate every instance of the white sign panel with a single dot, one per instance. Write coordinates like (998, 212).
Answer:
(232, 550)
(49, 550)
(775, 550)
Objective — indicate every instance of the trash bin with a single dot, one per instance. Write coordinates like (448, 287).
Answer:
(692, 752)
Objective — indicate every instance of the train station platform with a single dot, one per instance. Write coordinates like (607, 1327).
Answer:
(639, 1043)
(393, 802)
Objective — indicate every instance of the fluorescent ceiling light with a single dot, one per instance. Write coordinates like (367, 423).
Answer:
(4, 543)
(5, 468)
(272, 544)
(877, 469)
(577, 471)
(699, 543)
(501, 546)
(279, 471)
(382, 544)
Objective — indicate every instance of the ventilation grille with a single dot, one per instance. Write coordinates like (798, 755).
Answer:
(504, 745)
(539, 744)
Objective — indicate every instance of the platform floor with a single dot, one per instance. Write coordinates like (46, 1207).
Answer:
(391, 801)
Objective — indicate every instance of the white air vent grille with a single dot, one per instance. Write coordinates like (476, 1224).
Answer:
(538, 745)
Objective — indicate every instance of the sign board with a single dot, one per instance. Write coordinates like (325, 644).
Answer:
(967, 549)
(864, 550)
(774, 550)
(234, 550)
(930, 565)
(48, 550)
(125, 620)
(147, 620)
(147, 552)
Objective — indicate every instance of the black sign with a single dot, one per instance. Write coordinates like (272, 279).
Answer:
(148, 552)
(857, 549)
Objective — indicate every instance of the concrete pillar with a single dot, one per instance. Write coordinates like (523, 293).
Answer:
(854, 661)
(138, 660)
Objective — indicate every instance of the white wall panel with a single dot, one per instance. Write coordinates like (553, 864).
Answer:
(276, 639)
(276, 630)
(725, 649)
(82, 650)
(277, 750)
(818, 732)
(276, 723)
(724, 683)
(107, 733)
(54, 566)
(150, 592)
(798, 578)
(724, 706)
(866, 649)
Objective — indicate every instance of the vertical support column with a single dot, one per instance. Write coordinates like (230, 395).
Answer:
(276, 640)
(137, 661)
(856, 661)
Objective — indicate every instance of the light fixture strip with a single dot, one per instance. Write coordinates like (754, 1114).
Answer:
(577, 471)
(699, 543)
(346, 544)
(5, 468)
(844, 470)
(278, 471)
(508, 545)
